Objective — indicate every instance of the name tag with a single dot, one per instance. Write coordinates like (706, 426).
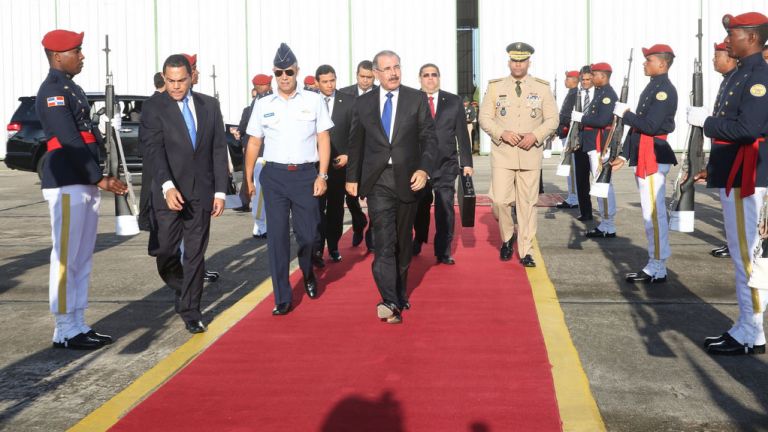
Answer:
(269, 115)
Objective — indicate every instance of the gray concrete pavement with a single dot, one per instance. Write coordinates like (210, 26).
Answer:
(640, 346)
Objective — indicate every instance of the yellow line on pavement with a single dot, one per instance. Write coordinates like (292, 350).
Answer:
(114, 409)
(578, 409)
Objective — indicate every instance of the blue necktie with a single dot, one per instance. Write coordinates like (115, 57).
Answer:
(190, 121)
(386, 115)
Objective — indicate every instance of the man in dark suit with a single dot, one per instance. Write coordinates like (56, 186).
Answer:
(392, 148)
(364, 84)
(331, 204)
(145, 204)
(454, 153)
(183, 134)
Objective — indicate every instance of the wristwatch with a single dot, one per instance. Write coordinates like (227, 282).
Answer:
(323, 176)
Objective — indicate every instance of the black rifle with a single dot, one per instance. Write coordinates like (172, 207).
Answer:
(613, 143)
(125, 205)
(572, 141)
(551, 137)
(213, 75)
(681, 207)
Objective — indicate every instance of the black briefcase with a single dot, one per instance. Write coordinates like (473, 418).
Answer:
(466, 195)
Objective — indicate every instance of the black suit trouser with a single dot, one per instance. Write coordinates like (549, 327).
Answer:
(332, 211)
(191, 224)
(445, 215)
(359, 221)
(583, 172)
(421, 221)
(145, 198)
(289, 194)
(392, 222)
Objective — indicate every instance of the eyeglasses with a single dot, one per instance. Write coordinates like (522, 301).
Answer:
(432, 74)
(288, 72)
(390, 69)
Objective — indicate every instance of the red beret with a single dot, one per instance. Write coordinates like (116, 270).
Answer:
(601, 67)
(720, 46)
(749, 19)
(658, 49)
(572, 74)
(192, 59)
(62, 40)
(309, 79)
(261, 79)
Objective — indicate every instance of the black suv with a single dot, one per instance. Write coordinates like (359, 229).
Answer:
(26, 147)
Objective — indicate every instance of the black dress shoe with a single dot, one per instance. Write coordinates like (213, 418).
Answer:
(416, 247)
(714, 339)
(389, 312)
(357, 238)
(527, 261)
(211, 276)
(405, 305)
(310, 285)
(242, 209)
(105, 339)
(80, 342)
(195, 326)
(584, 218)
(730, 346)
(565, 205)
(446, 260)
(721, 252)
(317, 259)
(505, 253)
(643, 277)
(369, 240)
(596, 233)
(335, 256)
(281, 309)
(260, 236)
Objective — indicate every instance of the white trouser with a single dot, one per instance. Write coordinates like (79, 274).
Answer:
(605, 206)
(572, 198)
(741, 217)
(74, 214)
(257, 204)
(652, 200)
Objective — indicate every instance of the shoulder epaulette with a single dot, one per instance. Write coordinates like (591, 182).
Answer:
(495, 80)
(545, 82)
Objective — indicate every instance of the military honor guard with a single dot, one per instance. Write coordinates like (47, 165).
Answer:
(571, 83)
(646, 148)
(71, 180)
(582, 167)
(294, 124)
(518, 112)
(737, 167)
(596, 124)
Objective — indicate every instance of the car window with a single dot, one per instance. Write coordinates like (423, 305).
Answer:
(26, 111)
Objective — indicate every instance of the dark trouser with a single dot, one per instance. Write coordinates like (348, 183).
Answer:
(332, 211)
(192, 224)
(245, 197)
(145, 198)
(445, 216)
(289, 193)
(359, 221)
(392, 222)
(582, 183)
(421, 220)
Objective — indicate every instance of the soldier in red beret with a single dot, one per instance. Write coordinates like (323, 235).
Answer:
(192, 59)
(738, 167)
(71, 181)
(646, 148)
(571, 83)
(310, 84)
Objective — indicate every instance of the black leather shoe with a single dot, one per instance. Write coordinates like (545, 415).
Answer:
(389, 312)
(335, 256)
(448, 260)
(596, 233)
(242, 209)
(643, 277)
(105, 339)
(80, 342)
(310, 285)
(357, 238)
(714, 339)
(505, 253)
(317, 259)
(583, 218)
(721, 252)
(369, 240)
(405, 305)
(195, 326)
(260, 236)
(527, 261)
(211, 276)
(416, 247)
(281, 309)
(565, 205)
(730, 346)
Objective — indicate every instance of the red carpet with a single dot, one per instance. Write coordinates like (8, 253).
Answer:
(468, 357)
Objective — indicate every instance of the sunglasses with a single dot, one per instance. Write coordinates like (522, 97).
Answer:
(288, 72)
(432, 74)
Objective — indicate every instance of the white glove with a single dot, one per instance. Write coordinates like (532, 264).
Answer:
(697, 116)
(576, 116)
(619, 109)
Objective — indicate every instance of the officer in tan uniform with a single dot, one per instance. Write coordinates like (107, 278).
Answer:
(518, 112)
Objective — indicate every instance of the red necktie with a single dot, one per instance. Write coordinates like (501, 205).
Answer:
(432, 106)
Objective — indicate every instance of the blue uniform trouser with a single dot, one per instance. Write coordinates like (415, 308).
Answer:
(289, 193)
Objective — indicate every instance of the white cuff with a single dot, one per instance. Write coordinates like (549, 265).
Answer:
(168, 186)
(576, 116)
(220, 195)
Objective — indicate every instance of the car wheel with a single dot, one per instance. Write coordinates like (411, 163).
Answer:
(39, 166)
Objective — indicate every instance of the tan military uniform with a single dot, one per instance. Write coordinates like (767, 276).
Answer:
(515, 172)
